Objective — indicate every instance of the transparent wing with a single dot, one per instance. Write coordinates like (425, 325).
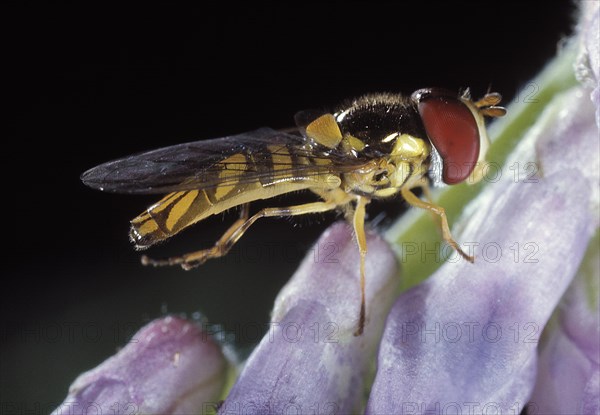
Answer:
(265, 154)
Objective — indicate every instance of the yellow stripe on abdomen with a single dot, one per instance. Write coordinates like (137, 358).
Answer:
(178, 210)
(168, 216)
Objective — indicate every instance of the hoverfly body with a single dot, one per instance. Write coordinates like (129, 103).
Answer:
(375, 147)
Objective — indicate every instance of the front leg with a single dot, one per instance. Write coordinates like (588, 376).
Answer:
(413, 200)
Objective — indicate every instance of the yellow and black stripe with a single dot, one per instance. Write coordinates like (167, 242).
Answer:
(243, 178)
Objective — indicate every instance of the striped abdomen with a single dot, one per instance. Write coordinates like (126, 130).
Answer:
(241, 178)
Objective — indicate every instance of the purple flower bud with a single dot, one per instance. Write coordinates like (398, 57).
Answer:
(310, 361)
(569, 368)
(465, 340)
(169, 367)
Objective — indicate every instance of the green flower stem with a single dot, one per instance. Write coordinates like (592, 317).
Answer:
(590, 272)
(419, 229)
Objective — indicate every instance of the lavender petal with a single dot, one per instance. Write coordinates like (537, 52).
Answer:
(310, 362)
(588, 65)
(169, 367)
(569, 369)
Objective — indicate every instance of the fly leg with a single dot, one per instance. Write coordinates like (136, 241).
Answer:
(359, 229)
(423, 184)
(413, 200)
(235, 232)
(219, 249)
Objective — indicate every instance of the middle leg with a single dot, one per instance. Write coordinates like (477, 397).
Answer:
(235, 232)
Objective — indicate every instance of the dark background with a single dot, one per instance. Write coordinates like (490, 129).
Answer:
(94, 83)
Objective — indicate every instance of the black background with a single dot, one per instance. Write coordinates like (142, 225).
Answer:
(93, 83)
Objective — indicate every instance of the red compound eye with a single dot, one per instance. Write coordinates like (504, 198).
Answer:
(453, 131)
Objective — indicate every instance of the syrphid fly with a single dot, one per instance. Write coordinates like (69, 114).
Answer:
(374, 147)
